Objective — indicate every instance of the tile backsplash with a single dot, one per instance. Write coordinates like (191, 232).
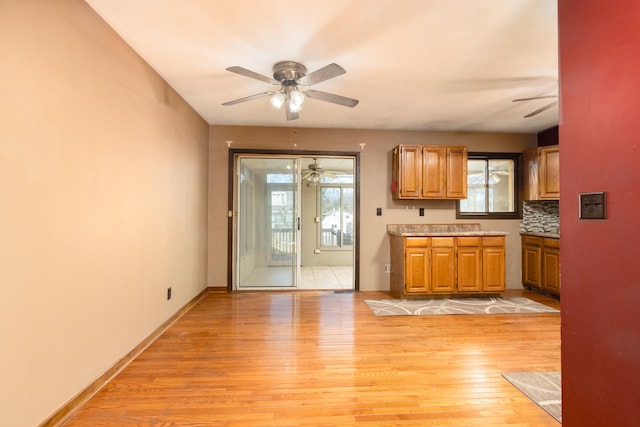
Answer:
(541, 216)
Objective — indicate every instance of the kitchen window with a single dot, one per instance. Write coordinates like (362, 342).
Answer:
(492, 187)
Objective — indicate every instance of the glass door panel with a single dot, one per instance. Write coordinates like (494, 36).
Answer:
(267, 222)
(328, 237)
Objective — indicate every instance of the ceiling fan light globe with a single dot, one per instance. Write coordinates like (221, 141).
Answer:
(277, 100)
(296, 97)
(293, 107)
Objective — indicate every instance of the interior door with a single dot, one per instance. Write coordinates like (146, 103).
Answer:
(268, 223)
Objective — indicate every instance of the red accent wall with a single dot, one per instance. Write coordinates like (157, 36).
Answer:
(600, 265)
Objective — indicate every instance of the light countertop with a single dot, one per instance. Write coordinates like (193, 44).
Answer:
(409, 230)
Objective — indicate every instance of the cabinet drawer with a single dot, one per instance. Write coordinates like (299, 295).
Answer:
(532, 240)
(442, 242)
(469, 241)
(416, 242)
(551, 243)
(493, 241)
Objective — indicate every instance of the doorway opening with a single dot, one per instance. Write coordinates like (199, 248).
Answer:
(293, 220)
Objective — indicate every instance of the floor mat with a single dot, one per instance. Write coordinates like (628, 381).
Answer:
(544, 388)
(443, 306)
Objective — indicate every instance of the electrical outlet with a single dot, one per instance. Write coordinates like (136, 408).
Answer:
(421, 212)
(168, 293)
(387, 268)
(379, 211)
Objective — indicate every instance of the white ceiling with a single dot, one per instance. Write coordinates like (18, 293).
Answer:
(452, 65)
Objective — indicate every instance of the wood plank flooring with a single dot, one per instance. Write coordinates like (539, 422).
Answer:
(313, 358)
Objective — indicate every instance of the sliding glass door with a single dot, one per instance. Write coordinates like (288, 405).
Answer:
(294, 222)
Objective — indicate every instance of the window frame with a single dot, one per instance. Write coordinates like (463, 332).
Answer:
(341, 187)
(517, 191)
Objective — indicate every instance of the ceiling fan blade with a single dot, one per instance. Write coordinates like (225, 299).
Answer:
(325, 73)
(540, 110)
(535, 97)
(291, 115)
(253, 75)
(330, 97)
(248, 98)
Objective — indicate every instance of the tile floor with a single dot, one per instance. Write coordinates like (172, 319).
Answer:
(318, 277)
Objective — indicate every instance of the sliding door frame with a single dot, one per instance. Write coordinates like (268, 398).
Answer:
(233, 153)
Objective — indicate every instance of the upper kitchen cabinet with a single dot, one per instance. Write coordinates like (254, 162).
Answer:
(429, 172)
(542, 173)
(407, 171)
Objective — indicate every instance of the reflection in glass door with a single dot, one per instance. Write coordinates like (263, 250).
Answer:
(268, 223)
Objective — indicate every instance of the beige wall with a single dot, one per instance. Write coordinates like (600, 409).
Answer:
(375, 179)
(103, 177)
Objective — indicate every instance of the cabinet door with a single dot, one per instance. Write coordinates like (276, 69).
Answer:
(493, 269)
(433, 171)
(532, 261)
(416, 270)
(549, 185)
(443, 265)
(456, 172)
(530, 174)
(410, 171)
(551, 269)
(469, 264)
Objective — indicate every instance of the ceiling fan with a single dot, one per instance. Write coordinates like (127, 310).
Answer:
(290, 76)
(539, 110)
(315, 172)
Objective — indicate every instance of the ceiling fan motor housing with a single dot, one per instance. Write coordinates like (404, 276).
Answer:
(288, 72)
(315, 166)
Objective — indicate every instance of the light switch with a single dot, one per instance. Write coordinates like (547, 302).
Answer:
(592, 205)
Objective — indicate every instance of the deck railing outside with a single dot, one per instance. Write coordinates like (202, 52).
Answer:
(283, 241)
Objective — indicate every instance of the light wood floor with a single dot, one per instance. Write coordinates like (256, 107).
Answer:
(312, 358)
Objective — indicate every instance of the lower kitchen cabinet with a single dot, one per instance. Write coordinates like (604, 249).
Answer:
(493, 266)
(531, 261)
(469, 264)
(417, 270)
(551, 265)
(443, 271)
(446, 266)
(541, 263)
